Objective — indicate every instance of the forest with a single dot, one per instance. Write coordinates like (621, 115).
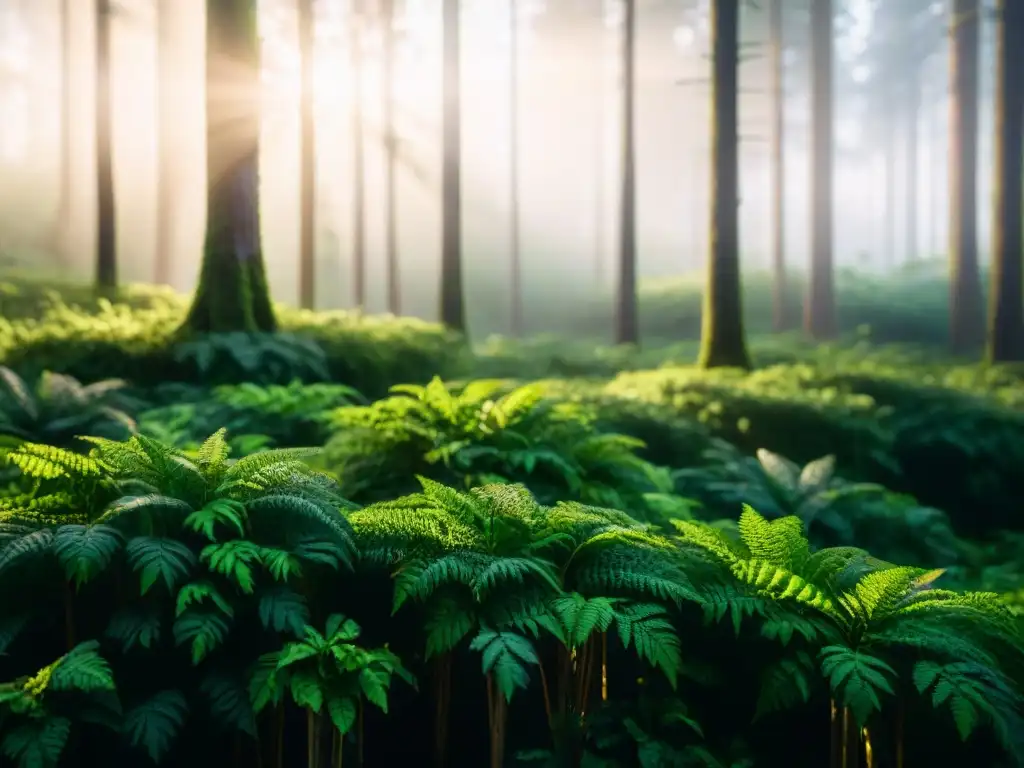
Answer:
(576, 384)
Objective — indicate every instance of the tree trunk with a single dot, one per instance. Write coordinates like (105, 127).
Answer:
(390, 159)
(889, 214)
(453, 311)
(780, 311)
(626, 331)
(168, 142)
(106, 222)
(232, 294)
(65, 204)
(515, 267)
(600, 174)
(358, 156)
(307, 156)
(965, 300)
(913, 107)
(722, 340)
(820, 310)
(1006, 302)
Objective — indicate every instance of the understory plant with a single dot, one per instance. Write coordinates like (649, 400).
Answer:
(224, 611)
(488, 432)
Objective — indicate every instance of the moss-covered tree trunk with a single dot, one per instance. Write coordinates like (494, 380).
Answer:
(722, 341)
(626, 331)
(1006, 296)
(106, 223)
(232, 294)
(819, 307)
(307, 159)
(453, 310)
(966, 312)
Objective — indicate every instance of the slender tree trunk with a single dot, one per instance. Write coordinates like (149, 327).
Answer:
(626, 331)
(820, 310)
(307, 156)
(168, 141)
(889, 214)
(390, 164)
(1006, 295)
(913, 109)
(358, 156)
(63, 235)
(965, 301)
(453, 311)
(232, 294)
(780, 313)
(106, 222)
(515, 266)
(722, 340)
(600, 174)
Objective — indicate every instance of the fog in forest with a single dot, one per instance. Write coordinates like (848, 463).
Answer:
(570, 100)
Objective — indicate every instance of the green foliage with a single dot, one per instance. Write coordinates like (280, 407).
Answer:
(284, 416)
(136, 341)
(487, 432)
(59, 407)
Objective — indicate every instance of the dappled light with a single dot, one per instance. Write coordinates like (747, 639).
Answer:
(469, 384)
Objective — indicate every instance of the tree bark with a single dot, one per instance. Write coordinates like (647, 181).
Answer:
(967, 321)
(515, 266)
(722, 336)
(779, 298)
(453, 311)
(168, 142)
(307, 155)
(232, 294)
(390, 159)
(63, 236)
(820, 310)
(356, 17)
(1006, 296)
(106, 221)
(913, 107)
(626, 330)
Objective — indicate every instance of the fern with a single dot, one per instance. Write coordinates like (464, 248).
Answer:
(505, 657)
(857, 679)
(154, 724)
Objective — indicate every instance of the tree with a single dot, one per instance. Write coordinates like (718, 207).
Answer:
(722, 341)
(1006, 296)
(106, 213)
(965, 299)
(515, 268)
(390, 156)
(356, 17)
(775, 31)
(232, 294)
(819, 308)
(65, 200)
(167, 140)
(626, 331)
(453, 311)
(307, 156)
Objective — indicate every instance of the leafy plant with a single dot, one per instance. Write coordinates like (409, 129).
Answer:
(485, 432)
(59, 407)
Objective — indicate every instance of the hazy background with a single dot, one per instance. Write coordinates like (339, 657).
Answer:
(570, 121)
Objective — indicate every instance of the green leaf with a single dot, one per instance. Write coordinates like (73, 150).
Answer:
(84, 551)
(203, 630)
(342, 711)
(224, 513)
(505, 656)
(159, 559)
(283, 610)
(234, 559)
(154, 724)
(82, 669)
(37, 743)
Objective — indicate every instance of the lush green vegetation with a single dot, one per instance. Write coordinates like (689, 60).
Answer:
(542, 551)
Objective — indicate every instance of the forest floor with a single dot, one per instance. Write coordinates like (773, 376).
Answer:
(898, 449)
